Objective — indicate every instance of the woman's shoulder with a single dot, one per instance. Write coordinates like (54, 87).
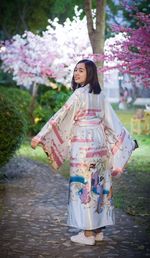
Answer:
(82, 90)
(85, 90)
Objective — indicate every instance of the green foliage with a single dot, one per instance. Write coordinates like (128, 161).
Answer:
(22, 100)
(11, 129)
(65, 9)
(49, 103)
(55, 98)
(112, 9)
(6, 78)
(41, 116)
(19, 15)
(141, 5)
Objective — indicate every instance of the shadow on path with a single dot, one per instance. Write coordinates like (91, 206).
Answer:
(33, 213)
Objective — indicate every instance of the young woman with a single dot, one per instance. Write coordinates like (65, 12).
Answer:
(88, 133)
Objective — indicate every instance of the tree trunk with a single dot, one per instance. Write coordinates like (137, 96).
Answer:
(96, 35)
(32, 104)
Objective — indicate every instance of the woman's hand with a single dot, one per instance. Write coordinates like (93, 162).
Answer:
(117, 172)
(33, 143)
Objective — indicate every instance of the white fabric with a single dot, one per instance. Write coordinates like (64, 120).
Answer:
(87, 131)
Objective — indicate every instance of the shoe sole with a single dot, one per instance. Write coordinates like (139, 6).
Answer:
(74, 241)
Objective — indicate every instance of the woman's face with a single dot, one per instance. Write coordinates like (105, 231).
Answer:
(80, 73)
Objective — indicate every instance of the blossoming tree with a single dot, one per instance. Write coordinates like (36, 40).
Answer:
(72, 43)
(29, 59)
(132, 50)
(34, 59)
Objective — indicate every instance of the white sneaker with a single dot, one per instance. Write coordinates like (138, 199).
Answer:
(99, 236)
(82, 239)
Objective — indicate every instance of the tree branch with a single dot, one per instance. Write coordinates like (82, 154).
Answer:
(22, 15)
(100, 19)
(88, 12)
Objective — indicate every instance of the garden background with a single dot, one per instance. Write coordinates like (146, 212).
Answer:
(23, 113)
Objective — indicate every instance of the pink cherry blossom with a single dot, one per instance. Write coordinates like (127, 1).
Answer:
(34, 59)
(131, 52)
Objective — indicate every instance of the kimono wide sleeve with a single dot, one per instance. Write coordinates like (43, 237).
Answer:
(55, 136)
(119, 141)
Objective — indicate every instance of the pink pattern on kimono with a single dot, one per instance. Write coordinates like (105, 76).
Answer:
(87, 112)
(76, 139)
(77, 164)
(89, 148)
(55, 157)
(57, 150)
(96, 153)
(119, 142)
(56, 131)
(87, 122)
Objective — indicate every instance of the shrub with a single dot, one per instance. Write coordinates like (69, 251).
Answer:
(49, 103)
(11, 129)
(55, 98)
(22, 100)
(41, 116)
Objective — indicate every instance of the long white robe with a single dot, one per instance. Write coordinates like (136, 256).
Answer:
(87, 132)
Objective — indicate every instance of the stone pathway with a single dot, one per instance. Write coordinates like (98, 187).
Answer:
(33, 212)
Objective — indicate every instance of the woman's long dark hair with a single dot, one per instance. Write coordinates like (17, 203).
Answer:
(92, 77)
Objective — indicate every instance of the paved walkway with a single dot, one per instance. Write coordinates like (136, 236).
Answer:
(33, 212)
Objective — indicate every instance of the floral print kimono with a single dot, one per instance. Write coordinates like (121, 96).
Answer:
(87, 132)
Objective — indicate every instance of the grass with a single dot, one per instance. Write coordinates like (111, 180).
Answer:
(28, 152)
(131, 190)
(125, 117)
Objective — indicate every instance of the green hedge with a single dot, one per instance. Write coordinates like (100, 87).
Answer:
(11, 129)
(21, 98)
(47, 103)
